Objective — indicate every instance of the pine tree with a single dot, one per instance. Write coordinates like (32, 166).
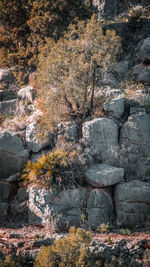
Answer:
(67, 72)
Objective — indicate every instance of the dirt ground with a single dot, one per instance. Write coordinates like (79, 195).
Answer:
(24, 238)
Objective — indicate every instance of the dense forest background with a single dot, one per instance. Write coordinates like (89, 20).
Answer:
(26, 25)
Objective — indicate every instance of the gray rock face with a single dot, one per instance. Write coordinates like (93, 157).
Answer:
(110, 8)
(6, 95)
(99, 208)
(135, 146)
(6, 76)
(132, 202)
(115, 107)
(101, 175)
(69, 131)
(68, 203)
(121, 69)
(142, 73)
(33, 144)
(12, 154)
(22, 194)
(144, 52)
(9, 107)
(26, 93)
(5, 190)
(18, 208)
(109, 80)
(101, 136)
(13, 178)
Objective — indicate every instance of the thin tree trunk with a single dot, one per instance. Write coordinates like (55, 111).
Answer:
(93, 86)
(69, 104)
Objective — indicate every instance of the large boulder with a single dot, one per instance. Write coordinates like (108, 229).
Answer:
(99, 208)
(101, 175)
(6, 192)
(32, 142)
(68, 203)
(132, 202)
(135, 145)
(12, 154)
(115, 107)
(101, 136)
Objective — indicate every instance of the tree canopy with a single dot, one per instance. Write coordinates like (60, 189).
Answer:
(13, 31)
(25, 26)
(67, 71)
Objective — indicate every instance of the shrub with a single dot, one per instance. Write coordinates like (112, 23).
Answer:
(73, 251)
(54, 170)
(103, 228)
(10, 262)
(109, 240)
(125, 231)
(70, 251)
(67, 72)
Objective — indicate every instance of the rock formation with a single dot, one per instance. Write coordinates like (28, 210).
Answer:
(117, 178)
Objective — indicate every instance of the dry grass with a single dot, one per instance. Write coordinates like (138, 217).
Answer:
(15, 124)
(52, 222)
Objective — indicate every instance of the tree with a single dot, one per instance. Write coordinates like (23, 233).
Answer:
(25, 26)
(67, 72)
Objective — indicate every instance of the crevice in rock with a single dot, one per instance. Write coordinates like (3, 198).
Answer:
(111, 193)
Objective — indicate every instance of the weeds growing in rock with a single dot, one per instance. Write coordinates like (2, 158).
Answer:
(52, 221)
(104, 228)
(109, 241)
(125, 231)
(55, 170)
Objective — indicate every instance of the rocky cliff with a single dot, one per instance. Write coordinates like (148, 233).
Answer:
(117, 178)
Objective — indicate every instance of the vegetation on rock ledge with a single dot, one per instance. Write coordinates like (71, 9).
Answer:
(58, 169)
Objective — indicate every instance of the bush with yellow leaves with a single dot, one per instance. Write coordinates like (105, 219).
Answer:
(57, 170)
(72, 250)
